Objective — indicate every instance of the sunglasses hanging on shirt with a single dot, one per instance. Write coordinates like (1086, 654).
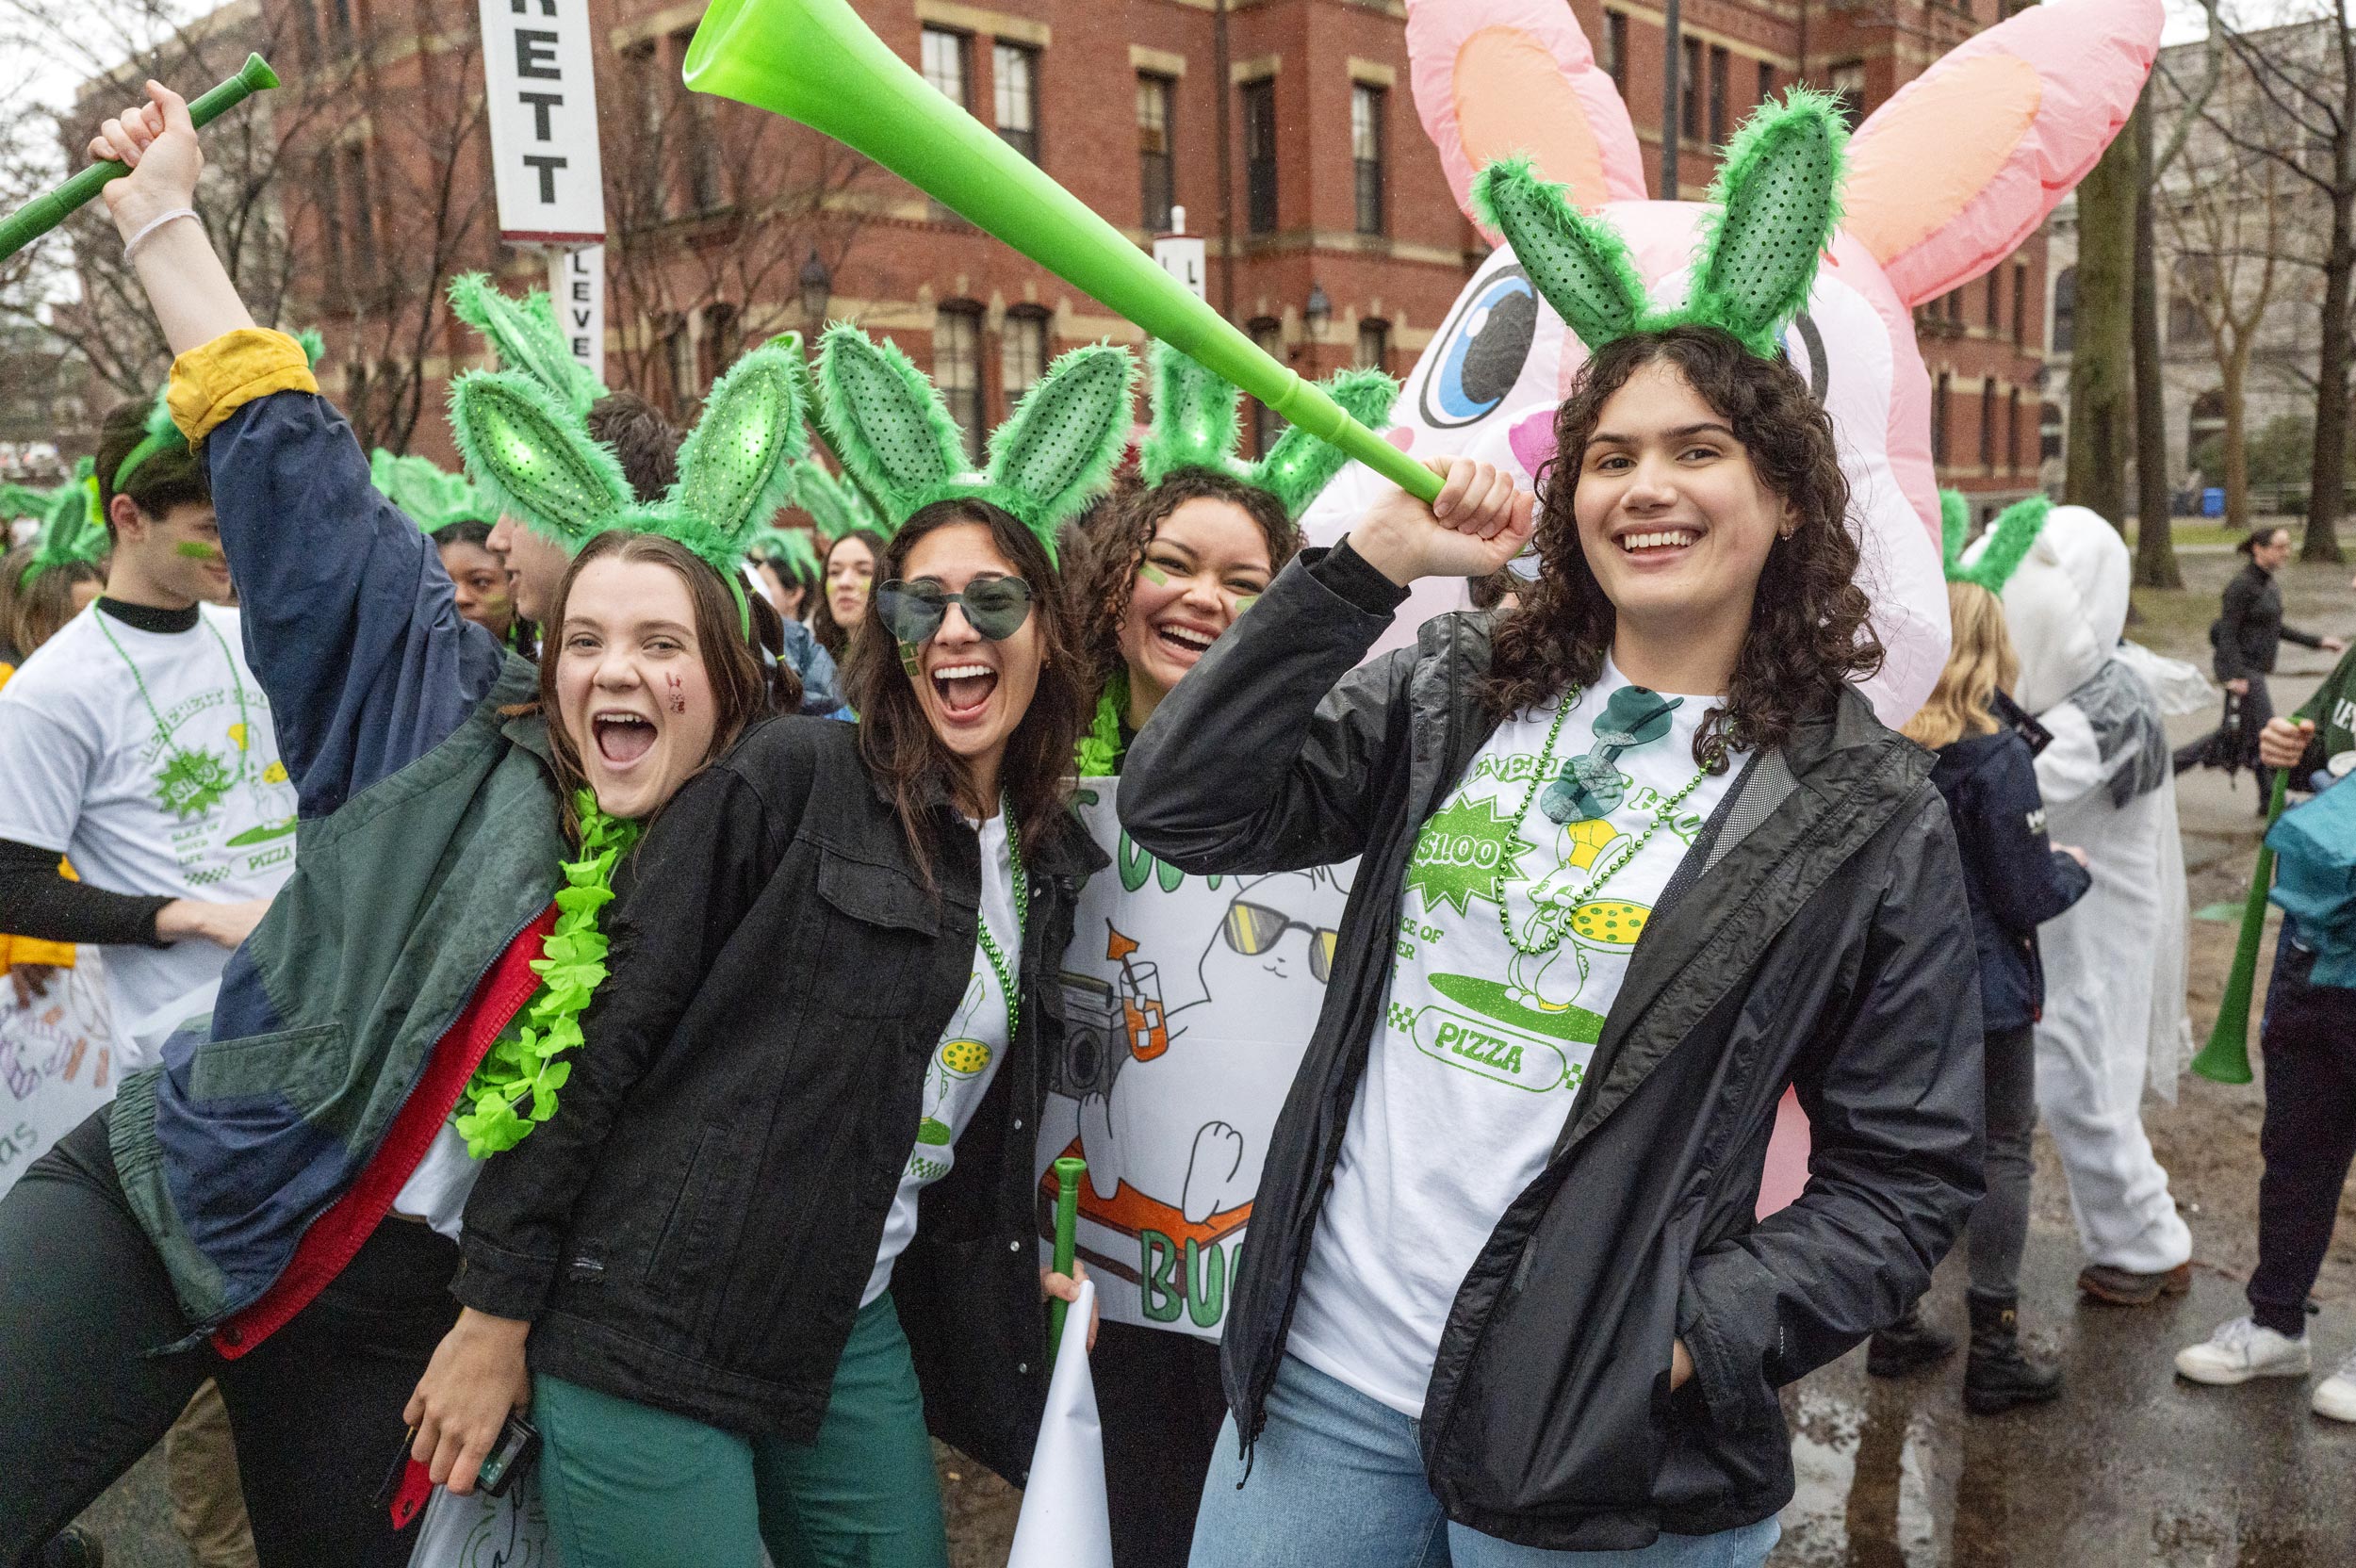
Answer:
(995, 607)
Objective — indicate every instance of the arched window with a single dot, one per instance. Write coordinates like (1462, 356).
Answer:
(957, 370)
(2204, 433)
(2064, 310)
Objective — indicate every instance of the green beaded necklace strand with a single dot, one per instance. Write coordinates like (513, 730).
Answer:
(1540, 775)
(990, 948)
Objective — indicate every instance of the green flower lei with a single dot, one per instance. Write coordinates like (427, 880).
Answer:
(523, 1069)
(1099, 750)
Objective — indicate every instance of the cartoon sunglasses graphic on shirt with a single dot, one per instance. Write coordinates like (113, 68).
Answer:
(1591, 786)
(1253, 929)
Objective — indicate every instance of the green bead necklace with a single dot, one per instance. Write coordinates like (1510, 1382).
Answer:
(190, 783)
(990, 948)
(1620, 862)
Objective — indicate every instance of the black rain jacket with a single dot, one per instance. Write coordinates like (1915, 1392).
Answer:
(2249, 629)
(1821, 940)
(694, 1227)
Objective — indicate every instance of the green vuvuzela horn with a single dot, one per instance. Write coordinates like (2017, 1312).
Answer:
(45, 212)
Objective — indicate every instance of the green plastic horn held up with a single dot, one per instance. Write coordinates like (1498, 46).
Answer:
(45, 212)
(815, 61)
(2226, 1058)
(1069, 1169)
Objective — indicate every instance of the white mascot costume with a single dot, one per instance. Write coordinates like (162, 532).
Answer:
(2115, 961)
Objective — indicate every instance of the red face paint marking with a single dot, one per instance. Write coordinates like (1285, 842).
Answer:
(679, 697)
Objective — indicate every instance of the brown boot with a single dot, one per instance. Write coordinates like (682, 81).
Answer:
(2123, 1287)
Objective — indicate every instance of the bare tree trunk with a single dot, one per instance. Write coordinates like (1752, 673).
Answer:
(2232, 377)
(2100, 364)
(2329, 470)
(2155, 546)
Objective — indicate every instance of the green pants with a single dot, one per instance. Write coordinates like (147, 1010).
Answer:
(629, 1486)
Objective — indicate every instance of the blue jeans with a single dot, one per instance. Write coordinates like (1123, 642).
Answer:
(1337, 1482)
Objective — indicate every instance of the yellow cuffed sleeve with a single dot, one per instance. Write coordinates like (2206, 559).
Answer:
(25, 951)
(210, 384)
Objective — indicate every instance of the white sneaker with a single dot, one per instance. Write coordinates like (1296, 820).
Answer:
(2334, 1399)
(2240, 1350)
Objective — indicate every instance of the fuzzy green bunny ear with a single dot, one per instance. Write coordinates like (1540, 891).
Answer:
(72, 530)
(1775, 205)
(1299, 466)
(835, 505)
(314, 346)
(526, 336)
(885, 421)
(1059, 449)
(1194, 420)
(533, 459)
(2010, 538)
(1580, 265)
(789, 549)
(162, 436)
(1955, 528)
(736, 467)
(23, 500)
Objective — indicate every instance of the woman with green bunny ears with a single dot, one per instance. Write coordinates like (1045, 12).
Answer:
(832, 984)
(272, 1206)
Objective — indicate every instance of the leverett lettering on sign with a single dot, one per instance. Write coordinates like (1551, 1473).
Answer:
(543, 107)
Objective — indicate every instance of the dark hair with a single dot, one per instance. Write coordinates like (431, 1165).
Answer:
(737, 686)
(647, 442)
(467, 531)
(1104, 548)
(166, 479)
(836, 639)
(2250, 541)
(1809, 630)
(898, 744)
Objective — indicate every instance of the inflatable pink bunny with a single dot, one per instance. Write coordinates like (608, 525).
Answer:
(1944, 180)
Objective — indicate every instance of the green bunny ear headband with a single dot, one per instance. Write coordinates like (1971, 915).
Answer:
(835, 505)
(72, 528)
(1774, 207)
(790, 549)
(1195, 425)
(2010, 538)
(898, 442)
(432, 498)
(526, 336)
(532, 458)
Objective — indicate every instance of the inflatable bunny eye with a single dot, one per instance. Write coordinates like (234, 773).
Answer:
(1477, 356)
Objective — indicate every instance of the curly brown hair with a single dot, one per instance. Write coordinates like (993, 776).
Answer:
(1103, 550)
(1809, 630)
(897, 742)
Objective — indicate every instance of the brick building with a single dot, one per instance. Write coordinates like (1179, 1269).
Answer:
(1283, 129)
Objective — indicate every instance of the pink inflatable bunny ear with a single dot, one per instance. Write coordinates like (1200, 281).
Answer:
(1497, 78)
(1964, 162)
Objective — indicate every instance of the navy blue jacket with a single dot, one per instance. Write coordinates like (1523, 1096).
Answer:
(2014, 879)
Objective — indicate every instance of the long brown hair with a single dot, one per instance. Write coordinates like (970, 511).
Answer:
(737, 686)
(1980, 663)
(1107, 546)
(1809, 630)
(894, 739)
(832, 635)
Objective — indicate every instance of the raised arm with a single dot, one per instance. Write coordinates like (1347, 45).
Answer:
(350, 623)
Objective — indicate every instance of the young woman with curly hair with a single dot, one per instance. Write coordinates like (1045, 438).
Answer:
(1156, 576)
(1634, 858)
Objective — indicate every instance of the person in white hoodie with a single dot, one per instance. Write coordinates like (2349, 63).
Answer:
(2113, 1011)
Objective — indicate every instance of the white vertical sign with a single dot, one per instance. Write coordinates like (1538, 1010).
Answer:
(543, 109)
(577, 288)
(1182, 256)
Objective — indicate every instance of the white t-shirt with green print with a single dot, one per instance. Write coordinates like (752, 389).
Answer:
(964, 1060)
(1470, 1076)
(147, 759)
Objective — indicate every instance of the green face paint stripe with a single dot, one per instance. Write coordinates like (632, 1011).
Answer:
(196, 549)
(1246, 602)
(1152, 574)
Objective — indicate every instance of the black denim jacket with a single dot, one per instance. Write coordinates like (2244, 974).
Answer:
(694, 1228)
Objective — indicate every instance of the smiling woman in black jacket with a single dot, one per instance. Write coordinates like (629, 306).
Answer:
(1635, 858)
